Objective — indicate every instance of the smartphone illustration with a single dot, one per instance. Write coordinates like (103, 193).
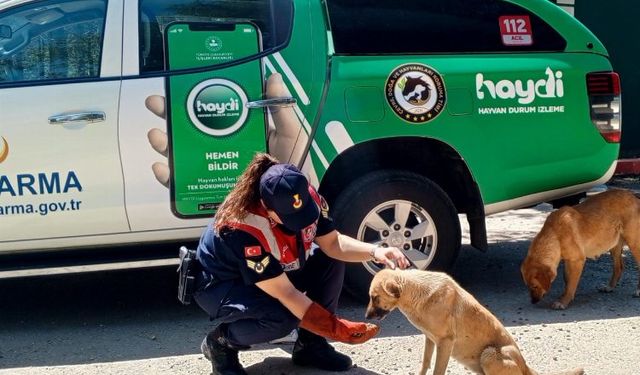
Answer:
(213, 135)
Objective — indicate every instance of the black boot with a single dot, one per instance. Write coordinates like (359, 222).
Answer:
(223, 356)
(314, 351)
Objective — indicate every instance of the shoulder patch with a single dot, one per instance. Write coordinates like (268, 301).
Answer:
(260, 266)
(252, 251)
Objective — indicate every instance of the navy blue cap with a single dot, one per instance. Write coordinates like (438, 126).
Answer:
(285, 190)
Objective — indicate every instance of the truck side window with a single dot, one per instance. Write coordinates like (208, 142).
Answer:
(273, 18)
(52, 40)
(434, 26)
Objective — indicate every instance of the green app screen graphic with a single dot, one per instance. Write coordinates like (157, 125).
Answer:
(213, 135)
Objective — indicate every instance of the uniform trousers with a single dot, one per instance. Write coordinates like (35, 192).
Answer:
(249, 316)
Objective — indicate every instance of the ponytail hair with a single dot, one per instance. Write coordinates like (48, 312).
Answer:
(246, 194)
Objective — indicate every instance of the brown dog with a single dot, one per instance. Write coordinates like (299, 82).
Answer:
(603, 222)
(451, 320)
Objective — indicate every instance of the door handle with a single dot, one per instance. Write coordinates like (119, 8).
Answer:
(67, 118)
(285, 101)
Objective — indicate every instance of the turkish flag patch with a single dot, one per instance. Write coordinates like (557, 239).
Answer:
(252, 251)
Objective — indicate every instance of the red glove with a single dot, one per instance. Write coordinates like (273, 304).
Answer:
(321, 322)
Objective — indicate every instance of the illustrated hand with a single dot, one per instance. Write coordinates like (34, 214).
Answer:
(287, 140)
(391, 257)
(282, 137)
(158, 139)
(321, 322)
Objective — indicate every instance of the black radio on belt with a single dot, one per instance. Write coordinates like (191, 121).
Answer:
(187, 269)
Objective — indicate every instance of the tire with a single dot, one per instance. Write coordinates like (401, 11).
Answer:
(431, 225)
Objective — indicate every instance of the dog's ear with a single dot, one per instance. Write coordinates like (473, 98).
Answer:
(550, 275)
(545, 277)
(391, 287)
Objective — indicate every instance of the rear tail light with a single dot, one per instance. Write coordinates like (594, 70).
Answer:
(604, 97)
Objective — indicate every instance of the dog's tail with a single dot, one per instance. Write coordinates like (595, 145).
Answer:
(577, 371)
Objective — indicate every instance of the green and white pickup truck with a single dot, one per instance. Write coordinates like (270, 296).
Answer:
(115, 131)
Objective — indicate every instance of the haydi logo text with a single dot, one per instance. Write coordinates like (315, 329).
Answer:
(217, 108)
(525, 91)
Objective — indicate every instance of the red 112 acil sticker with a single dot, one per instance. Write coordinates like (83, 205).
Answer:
(516, 30)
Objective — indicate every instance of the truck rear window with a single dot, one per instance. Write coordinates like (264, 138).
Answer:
(436, 26)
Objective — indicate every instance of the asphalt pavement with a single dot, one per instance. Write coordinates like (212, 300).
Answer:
(129, 322)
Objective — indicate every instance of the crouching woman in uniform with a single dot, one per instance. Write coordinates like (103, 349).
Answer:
(262, 277)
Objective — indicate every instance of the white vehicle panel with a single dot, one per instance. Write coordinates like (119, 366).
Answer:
(147, 200)
(63, 180)
(71, 182)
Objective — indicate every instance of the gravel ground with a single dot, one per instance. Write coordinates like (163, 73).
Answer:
(129, 322)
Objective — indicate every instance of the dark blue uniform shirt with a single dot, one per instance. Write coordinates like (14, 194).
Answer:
(237, 255)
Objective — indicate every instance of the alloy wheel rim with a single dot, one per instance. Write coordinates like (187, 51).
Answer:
(402, 224)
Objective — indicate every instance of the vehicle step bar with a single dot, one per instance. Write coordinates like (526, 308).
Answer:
(83, 268)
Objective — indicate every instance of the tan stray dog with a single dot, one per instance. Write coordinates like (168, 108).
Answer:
(603, 222)
(452, 321)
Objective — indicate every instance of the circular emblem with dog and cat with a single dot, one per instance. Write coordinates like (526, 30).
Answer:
(416, 93)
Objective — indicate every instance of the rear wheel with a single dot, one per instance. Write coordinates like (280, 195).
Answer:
(400, 209)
